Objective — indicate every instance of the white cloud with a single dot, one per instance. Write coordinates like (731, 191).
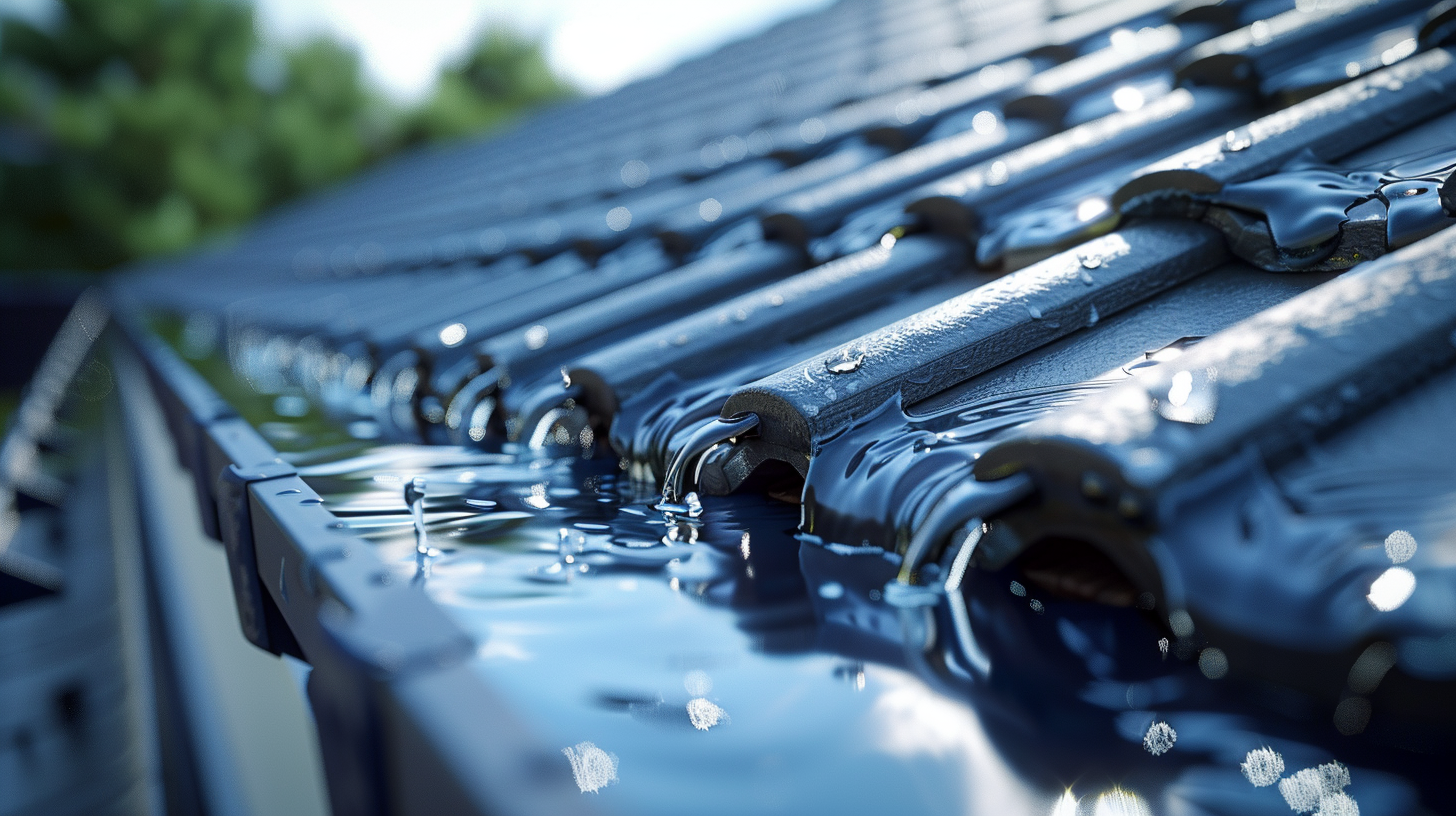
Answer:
(598, 44)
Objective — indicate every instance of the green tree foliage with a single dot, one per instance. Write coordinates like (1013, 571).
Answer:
(493, 82)
(135, 127)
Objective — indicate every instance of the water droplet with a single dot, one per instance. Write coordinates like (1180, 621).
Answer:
(414, 499)
(1263, 767)
(1160, 738)
(570, 543)
(998, 174)
(536, 336)
(554, 573)
(812, 131)
(1371, 667)
(592, 767)
(848, 363)
(1305, 790)
(831, 591)
(453, 334)
(907, 112)
(635, 173)
(1400, 546)
(671, 511)
(1033, 311)
(1127, 98)
(985, 122)
(704, 713)
(1392, 589)
(619, 218)
(734, 148)
(1338, 804)
(711, 155)
(491, 240)
(1192, 397)
(1213, 663)
(1181, 623)
(1092, 316)
(1235, 142)
(1090, 262)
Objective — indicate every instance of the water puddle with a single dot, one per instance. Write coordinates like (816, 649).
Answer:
(744, 654)
(707, 650)
(1309, 204)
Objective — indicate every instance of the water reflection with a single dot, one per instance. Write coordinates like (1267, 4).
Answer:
(1160, 738)
(592, 767)
(1400, 546)
(705, 714)
(1391, 589)
(727, 659)
(1065, 806)
(1322, 216)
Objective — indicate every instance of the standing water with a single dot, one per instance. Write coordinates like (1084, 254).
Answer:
(740, 654)
(706, 652)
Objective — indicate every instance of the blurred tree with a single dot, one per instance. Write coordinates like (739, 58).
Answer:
(134, 127)
(503, 74)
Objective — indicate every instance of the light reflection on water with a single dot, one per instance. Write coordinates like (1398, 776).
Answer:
(678, 660)
(634, 628)
(696, 679)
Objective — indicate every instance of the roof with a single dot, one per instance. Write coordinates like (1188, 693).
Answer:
(1140, 309)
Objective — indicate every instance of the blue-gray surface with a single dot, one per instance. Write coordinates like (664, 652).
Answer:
(1089, 366)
